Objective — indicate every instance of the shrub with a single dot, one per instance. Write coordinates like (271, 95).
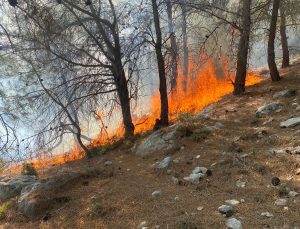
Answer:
(28, 169)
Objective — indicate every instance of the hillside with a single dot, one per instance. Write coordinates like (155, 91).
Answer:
(243, 151)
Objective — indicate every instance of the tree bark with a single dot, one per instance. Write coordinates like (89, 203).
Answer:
(185, 47)
(242, 56)
(164, 112)
(284, 40)
(123, 94)
(271, 43)
(174, 50)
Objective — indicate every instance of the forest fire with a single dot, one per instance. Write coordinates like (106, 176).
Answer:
(204, 88)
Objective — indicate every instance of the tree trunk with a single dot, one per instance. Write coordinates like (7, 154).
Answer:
(121, 85)
(271, 43)
(123, 94)
(164, 112)
(242, 56)
(174, 51)
(284, 40)
(185, 48)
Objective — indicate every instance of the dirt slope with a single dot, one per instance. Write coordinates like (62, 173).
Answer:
(124, 200)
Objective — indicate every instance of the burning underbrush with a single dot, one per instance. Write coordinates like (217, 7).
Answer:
(204, 87)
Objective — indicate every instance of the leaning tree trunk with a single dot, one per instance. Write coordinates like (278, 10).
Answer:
(185, 47)
(284, 40)
(271, 43)
(164, 112)
(242, 56)
(174, 51)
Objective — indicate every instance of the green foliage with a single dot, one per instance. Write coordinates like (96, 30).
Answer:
(28, 169)
(3, 209)
(282, 191)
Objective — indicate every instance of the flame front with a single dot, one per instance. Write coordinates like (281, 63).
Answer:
(203, 88)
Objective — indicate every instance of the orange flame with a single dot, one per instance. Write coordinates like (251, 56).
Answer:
(204, 88)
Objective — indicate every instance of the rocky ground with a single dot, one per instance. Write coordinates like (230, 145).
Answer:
(236, 165)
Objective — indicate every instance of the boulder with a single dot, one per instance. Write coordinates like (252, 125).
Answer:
(292, 122)
(285, 93)
(38, 197)
(160, 140)
(268, 108)
(13, 186)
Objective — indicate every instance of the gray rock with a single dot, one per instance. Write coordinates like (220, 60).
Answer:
(194, 178)
(161, 140)
(108, 163)
(233, 223)
(293, 194)
(292, 122)
(143, 224)
(240, 184)
(218, 125)
(298, 108)
(225, 208)
(156, 193)
(285, 93)
(281, 202)
(202, 170)
(268, 108)
(175, 180)
(33, 202)
(232, 202)
(14, 186)
(267, 214)
(165, 163)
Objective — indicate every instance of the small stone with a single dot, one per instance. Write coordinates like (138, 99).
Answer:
(298, 108)
(232, 202)
(175, 180)
(108, 163)
(143, 224)
(156, 193)
(286, 208)
(165, 163)
(293, 194)
(176, 161)
(224, 209)
(202, 170)
(281, 202)
(182, 147)
(240, 184)
(267, 214)
(194, 178)
(275, 181)
(242, 200)
(197, 157)
(233, 223)
(200, 208)
(295, 104)
(176, 198)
